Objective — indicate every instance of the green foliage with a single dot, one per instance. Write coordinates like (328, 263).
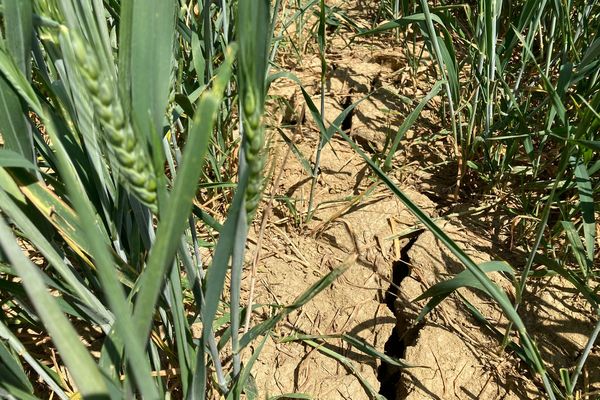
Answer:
(115, 113)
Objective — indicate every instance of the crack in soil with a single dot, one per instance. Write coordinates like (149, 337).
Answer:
(404, 333)
(347, 122)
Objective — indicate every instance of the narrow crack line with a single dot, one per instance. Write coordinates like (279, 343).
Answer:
(404, 334)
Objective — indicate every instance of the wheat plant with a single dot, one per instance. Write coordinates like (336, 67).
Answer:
(113, 114)
(119, 117)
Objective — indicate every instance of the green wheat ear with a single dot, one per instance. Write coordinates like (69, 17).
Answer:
(253, 151)
(132, 159)
(254, 20)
